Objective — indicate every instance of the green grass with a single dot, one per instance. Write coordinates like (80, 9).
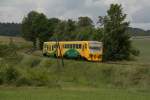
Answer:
(144, 46)
(78, 80)
(70, 94)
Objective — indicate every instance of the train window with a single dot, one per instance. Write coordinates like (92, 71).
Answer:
(70, 45)
(74, 46)
(64, 45)
(79, 46)
(67, 45)
(52, 48)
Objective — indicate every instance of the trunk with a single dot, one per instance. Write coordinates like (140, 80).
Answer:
(34, 44)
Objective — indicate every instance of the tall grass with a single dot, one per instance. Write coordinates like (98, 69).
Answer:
(37, 71)
(21, 69)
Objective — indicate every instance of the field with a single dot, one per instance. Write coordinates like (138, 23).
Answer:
(70, 94)
(80, 80)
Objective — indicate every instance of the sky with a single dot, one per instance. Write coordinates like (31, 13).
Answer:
(15, 10)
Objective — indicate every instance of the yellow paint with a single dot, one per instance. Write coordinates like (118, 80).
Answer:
(85, 50)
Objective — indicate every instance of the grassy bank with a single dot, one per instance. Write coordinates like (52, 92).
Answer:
(70, 94)
(126, 80)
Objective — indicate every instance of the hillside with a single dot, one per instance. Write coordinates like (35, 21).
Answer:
(14, 29)
(31, 68)
(30, 75)
(138, 32)
(10, 29)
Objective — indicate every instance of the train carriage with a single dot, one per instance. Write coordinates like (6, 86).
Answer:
(89, 50)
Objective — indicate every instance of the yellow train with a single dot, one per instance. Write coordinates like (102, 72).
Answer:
(89, 50)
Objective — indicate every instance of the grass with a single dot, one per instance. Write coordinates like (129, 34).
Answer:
(7, 39)
(144, 46)
(70, 94)
(78, 80)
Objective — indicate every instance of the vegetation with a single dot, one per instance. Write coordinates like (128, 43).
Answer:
(116, 39)
(70, 94)
(22, 67)
(117, 44)
(14, 29)
(121, 80)
(35, 28)
(10, 29)
(19, 69)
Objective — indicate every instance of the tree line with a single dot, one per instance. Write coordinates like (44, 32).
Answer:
(37, 27)
(10, 29)
(112, 31)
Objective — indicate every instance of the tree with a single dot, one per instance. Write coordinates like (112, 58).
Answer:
(117, 43)
(70, 28)
(98, 34)
(41, 24)
(28, 29)
(65, 30)
(85, 22)
(53, 23)
(71, 25)
(35, 27)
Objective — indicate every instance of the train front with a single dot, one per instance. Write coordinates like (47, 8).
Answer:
(96, 51)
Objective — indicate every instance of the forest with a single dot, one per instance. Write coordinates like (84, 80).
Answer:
(14, 29)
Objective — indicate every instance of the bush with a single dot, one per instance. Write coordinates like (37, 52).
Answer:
(11, 75)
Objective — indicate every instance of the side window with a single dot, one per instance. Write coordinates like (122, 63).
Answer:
(79, 46)
(70, 46)
(65, 46)
(74, 46)
(47, 47)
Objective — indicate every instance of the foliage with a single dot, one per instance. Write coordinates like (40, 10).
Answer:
(8, 51)
(35, 27)
(117, 43)
(85, 22)
(45, 72)
(34, 70)
(71, 93)
(10, 29)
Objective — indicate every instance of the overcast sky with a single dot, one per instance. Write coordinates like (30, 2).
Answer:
(14, 10)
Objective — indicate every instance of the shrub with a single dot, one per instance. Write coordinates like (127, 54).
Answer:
(11, 75)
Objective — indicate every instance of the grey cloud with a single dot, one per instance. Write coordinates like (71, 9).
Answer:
(142, 16)
(15, 10)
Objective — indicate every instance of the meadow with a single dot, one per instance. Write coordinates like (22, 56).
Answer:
(43, 78)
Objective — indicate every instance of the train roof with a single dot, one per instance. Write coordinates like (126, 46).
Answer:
(73, 41)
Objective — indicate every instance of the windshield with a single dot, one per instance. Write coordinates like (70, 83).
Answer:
(95, 47)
